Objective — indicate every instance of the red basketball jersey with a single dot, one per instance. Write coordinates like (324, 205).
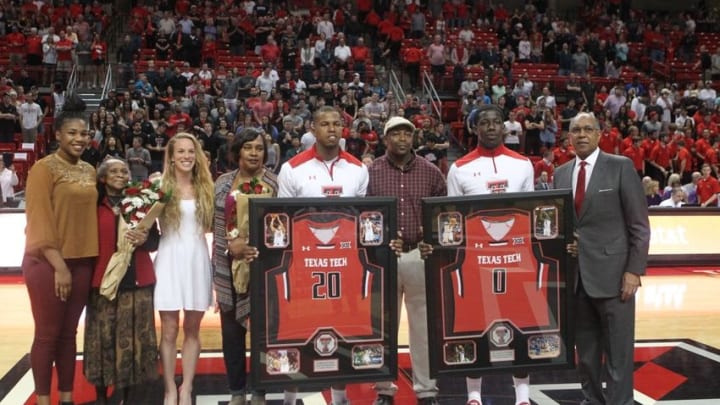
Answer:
(324, 282)
(500, 275)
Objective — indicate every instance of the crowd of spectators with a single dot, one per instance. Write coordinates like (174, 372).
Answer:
(52, 36)
(214, 68)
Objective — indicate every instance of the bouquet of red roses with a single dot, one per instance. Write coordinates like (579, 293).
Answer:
(142, 204)
(237, 224)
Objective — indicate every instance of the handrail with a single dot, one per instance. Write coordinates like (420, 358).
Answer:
(431, 94)
(108, 83)
(396, 87)
(72, 80)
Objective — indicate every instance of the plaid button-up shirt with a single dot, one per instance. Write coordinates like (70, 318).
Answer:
(416, 180)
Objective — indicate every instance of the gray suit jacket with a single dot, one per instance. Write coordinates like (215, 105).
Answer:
(613, 227)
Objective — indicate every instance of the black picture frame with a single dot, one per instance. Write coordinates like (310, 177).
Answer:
(309, 327)
(510, 307)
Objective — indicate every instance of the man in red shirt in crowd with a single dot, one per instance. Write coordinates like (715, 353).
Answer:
(64, 49)
(501, 13)
(711, 156)
(28, 9)
(16, 46)
(703, 143)
(76, 8)
(706, 124)
(522, 110)
(363, 8)
(545, 165)
(684, 162)
(270, 52)
(33, 44)
(262, 109)
(360, 55)
(637, 155)
(707, 188)
(412, 55)
(610, 141)
(564, 152)
(659, 158)
(395, 37)
(178, 118)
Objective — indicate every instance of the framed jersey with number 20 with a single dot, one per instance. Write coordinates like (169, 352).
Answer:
(504, 296)
(322, 291)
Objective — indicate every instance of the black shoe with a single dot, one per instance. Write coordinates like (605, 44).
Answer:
(384, 400)
(428, 401)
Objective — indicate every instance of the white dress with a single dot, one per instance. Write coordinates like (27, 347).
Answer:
(182, 266)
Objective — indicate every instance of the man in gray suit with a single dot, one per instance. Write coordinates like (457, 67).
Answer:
(613, 237)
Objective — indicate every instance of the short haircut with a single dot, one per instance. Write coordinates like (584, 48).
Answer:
(574, 120)
(245, 136)
(473, 117)
(326, 109)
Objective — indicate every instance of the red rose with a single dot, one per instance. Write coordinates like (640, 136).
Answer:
(245, 188)
(258, 188)
(132, 191)
(146, 184)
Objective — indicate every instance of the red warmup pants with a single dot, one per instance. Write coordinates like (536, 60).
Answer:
(55, 320)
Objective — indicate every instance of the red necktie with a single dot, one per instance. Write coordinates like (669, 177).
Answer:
(580, 188)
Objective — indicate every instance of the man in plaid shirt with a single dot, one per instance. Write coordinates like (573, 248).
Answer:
(402, 174)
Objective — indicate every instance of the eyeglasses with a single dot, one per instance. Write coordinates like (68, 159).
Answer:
(578, 130)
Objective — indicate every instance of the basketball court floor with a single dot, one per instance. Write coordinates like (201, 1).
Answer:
(677, 356)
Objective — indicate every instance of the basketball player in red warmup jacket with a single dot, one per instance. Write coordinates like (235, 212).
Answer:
(499, 170)
(324, 170)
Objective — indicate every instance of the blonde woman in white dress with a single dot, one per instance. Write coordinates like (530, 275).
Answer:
(182, 265)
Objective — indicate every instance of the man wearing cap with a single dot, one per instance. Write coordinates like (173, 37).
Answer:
(489, 169)
(400, 173)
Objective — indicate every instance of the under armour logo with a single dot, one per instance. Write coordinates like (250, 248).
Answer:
(313, 177)
(306, 248)
(478, 245)
(477, 174)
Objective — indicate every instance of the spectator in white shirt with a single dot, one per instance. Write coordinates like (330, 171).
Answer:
(31, 116)
(513, 131)
(469, 86)
(8, 178)
(550, 101)
(326, 27)
(675, 200)
(466, 35)
(342, 54)
(708, 94)
(637, 105)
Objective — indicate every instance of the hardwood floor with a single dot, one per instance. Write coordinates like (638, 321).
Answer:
(669, 307)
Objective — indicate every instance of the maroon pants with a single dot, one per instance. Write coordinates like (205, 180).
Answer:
(55, 320)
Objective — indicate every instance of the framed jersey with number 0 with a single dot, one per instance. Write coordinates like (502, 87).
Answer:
(323, 291)
(503, 301)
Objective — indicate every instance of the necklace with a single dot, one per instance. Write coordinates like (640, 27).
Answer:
(115, 201)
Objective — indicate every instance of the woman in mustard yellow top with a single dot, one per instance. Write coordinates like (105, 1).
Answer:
(59, 250)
